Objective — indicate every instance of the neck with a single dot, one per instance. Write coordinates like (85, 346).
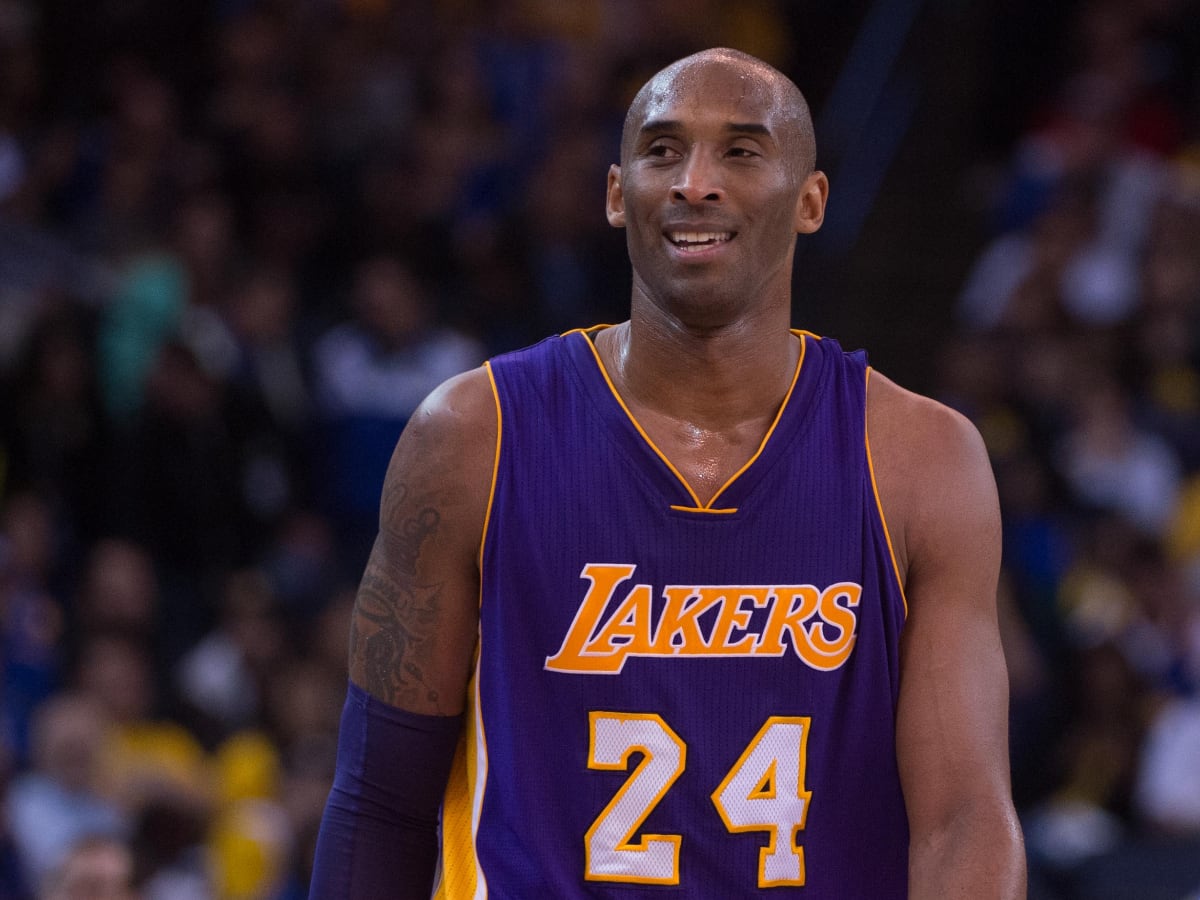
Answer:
(714, 377)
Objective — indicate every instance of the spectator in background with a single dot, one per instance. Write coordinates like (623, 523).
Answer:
(52, 429)
(271, 398)
(142, 316)
(1112, 464)
(251, 837)
(224, 677)
(1165, 339)
(119, 591)
(301, 563)
(370, 374)
(182, 500)
(152, 767)
(60, 799)
(32, 620)
(1167, 785)
(96, 868)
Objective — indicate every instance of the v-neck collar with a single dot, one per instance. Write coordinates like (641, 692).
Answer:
(682, 497)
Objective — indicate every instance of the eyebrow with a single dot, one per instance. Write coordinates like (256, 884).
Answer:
(657, 126)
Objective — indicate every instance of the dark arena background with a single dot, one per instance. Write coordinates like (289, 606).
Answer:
(239, 242)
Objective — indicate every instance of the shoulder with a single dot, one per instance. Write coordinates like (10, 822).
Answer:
(445, 454)
(459, 400)
(911, 423)
(931, 468)
(457, 418)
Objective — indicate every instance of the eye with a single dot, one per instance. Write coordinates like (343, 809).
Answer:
(741, 152)
(662, 150)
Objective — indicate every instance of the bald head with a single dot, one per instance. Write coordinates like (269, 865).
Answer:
(685, 77)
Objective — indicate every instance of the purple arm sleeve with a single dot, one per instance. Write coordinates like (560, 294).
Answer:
(378, 834)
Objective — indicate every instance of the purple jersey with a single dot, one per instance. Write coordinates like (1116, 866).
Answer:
(674, 697)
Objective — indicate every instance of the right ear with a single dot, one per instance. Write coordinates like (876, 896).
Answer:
(615, 200)
(810, 206)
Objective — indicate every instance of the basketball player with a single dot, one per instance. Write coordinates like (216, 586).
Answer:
(694, 605)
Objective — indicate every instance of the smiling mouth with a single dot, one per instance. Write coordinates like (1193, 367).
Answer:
(696, 241)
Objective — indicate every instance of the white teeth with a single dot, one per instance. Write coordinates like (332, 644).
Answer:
(699, 237)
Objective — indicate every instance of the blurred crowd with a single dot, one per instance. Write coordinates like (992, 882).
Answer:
(239, 242)
(1077, 353)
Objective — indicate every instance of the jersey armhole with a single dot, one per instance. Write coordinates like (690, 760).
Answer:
(487, 516)
(887, 533)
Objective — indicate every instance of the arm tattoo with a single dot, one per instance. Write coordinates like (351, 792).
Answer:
(391, 642)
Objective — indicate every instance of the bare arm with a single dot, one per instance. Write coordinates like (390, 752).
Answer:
(415, 618)
(939, 496)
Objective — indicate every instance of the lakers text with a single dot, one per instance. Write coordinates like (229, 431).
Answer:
(613, 624)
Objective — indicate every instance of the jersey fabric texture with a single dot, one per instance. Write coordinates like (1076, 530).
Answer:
(677, 698)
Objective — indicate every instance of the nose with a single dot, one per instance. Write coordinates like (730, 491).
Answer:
(698, 180)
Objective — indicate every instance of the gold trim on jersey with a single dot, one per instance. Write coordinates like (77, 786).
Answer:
(699, 507)
(487, 516)
(461, 875)
(887, 532)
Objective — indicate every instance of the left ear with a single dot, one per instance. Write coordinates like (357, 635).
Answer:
(810, 206)
(615, 199)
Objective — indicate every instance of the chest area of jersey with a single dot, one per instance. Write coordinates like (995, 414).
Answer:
(617, 616)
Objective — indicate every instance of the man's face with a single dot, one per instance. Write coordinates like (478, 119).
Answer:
(710, 191)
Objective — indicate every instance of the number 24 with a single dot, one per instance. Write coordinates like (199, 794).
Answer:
(763, 791)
